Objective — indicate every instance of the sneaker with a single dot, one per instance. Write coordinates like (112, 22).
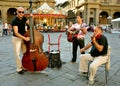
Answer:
(20, 72)
(91, 82)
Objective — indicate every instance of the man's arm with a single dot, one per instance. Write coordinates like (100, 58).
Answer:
(99, 47)
(86, 47)
(84, 30)
(15, 28)
(71, 30)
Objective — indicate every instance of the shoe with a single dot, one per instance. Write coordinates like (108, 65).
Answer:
(83, 74)
(20, 72)
(91, 82)
(24, 70)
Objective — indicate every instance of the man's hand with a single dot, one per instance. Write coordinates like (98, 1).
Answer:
(93, 38)
(27, 38)
(81, 28)
(31, 14)
(82, 50)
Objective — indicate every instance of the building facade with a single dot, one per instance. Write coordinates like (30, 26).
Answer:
(94, 11)
(8, 7)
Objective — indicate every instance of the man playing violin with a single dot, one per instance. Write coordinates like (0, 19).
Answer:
(79, 41)
(99, 47)
(18, 25)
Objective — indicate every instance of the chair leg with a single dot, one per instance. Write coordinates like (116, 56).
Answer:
(106, 74)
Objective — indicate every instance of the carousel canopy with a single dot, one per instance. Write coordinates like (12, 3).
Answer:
(56, 12)
(46, 11)
(45, 8)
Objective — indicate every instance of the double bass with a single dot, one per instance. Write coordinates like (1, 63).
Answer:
(34, 59)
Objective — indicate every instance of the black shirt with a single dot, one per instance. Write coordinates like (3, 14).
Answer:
(101, 41)
(20, 23)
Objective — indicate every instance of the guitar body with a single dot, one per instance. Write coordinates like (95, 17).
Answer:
(72, 36)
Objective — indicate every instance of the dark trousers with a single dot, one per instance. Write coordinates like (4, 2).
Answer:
(76, 43)
(4, 31)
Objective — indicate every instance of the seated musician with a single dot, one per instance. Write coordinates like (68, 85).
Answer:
(99, 47)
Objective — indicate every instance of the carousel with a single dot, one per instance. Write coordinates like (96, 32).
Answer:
(47, 18)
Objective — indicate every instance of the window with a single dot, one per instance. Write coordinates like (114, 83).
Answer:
(118, 0)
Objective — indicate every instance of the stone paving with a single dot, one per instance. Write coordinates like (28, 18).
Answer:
(68, 75)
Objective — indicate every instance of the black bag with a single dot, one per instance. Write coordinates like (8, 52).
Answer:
(54, 59)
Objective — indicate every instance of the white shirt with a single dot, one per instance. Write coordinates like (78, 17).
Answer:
(5, 26)
(77, 27)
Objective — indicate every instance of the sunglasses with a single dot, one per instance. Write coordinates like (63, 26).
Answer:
(20, 11)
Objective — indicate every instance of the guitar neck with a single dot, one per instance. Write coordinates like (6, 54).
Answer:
(31, 31)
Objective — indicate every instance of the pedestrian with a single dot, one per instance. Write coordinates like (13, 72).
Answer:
(98, 54)
(5, 29)
(9, 29)
(80, 27)
(18, 25)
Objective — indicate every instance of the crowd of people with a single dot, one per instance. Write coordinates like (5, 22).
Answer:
(98, 43)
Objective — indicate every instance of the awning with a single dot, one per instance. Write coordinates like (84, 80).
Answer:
(47, 15)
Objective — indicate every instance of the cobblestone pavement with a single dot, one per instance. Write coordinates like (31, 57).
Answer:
(68, 75)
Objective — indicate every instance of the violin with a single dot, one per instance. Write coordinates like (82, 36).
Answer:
(98, 36)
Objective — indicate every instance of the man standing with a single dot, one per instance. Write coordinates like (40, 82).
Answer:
(98, 54)
(18, 25)
(80, 27)
(5, 29)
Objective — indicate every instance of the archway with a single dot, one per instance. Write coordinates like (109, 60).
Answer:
(103, 18)
(116, 15)
(10, 14)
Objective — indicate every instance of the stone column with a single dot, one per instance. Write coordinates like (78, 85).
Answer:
(97, 16)
(88, 15)
(85, 14)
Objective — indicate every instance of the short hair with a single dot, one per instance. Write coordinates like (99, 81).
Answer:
(100, 27)
(80, 15)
